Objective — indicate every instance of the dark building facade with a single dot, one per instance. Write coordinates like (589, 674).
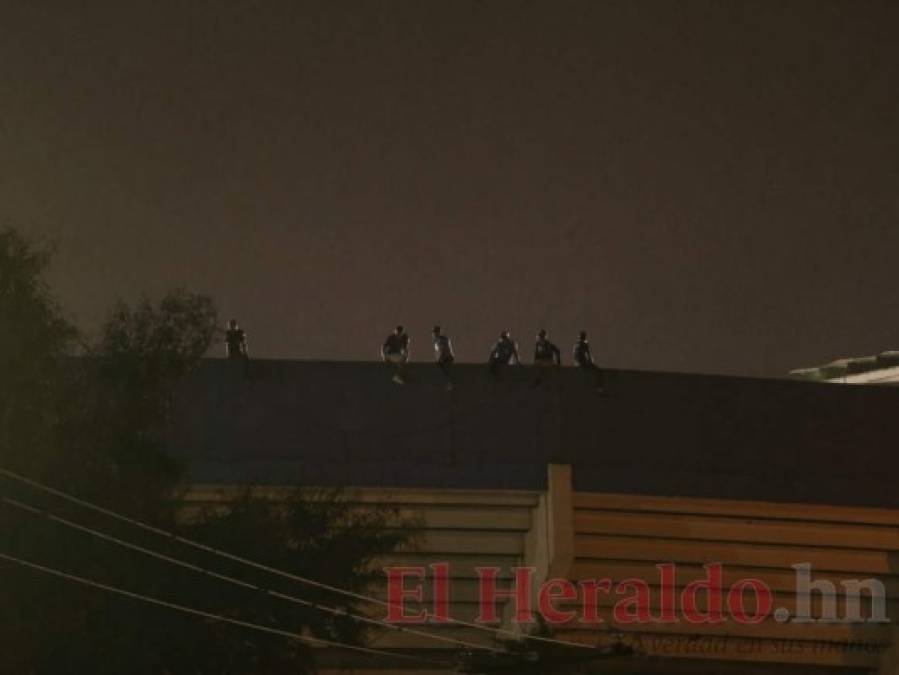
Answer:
(690, 469)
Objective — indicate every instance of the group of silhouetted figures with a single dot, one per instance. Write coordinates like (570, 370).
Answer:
(504, 353)
(396, 352)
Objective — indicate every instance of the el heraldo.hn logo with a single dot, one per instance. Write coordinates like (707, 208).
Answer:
(707, 600)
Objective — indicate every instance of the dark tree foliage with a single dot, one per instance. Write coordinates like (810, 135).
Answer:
(319, 535)
(34, 338)
(87, 418)
(122, 396)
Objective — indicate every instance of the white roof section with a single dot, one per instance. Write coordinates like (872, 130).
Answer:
(880, 369)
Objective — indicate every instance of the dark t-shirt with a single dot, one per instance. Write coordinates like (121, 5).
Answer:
(396, 344)
(442, 349)
(582, 356)
(546, 352)
(234, 341)
(503, 351)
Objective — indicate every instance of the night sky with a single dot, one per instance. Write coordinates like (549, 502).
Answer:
(704, 186)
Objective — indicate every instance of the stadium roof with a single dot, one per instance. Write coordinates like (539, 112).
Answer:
(338, 423)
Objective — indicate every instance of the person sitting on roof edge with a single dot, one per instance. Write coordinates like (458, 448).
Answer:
(443, 354)
(504, 353)
(546, 355)
(395, 351)
(584, 360)
(235, 341)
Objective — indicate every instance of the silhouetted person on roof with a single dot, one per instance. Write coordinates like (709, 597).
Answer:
(443, 354)
(395, 351)
(546, 355)
(235, 341)
(504, 353)
(584, 360)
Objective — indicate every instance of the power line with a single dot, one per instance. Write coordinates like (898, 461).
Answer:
(215, 617)
(266, 568)
(244, 584)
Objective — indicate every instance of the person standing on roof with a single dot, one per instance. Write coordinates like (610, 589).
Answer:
(504, 353)
(443, 354)
(395, 351)
(235, 341)
(584, 360)
(546, 355)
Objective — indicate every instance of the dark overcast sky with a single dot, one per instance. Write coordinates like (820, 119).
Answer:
(705, 186)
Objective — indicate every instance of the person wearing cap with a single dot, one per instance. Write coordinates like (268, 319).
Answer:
(443, 355)
(504, 353)
(583, 359)
(395, 351)
(546, 355)
(235, 341)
